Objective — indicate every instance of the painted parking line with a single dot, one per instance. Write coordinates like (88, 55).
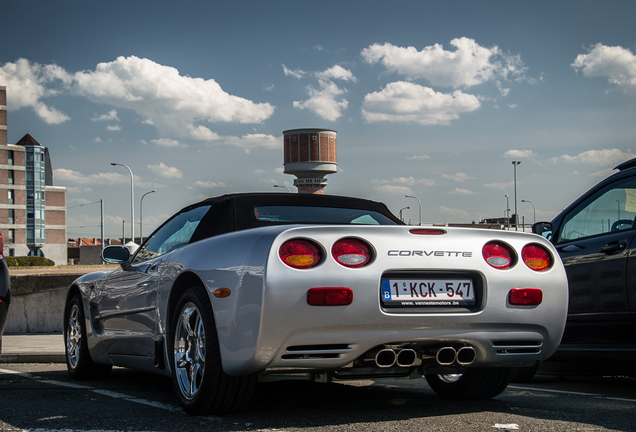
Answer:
(108, 393)
(594, 395)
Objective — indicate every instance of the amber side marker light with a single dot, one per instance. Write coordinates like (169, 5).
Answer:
(222, 292)
(525, 296)
(330, 296)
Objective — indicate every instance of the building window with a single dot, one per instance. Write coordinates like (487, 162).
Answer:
(11, 236)
(11, 252)
(11, 196)
(10, 157)
(10, 175)
(11, 216)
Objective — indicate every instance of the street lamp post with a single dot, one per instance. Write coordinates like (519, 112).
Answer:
(507, 212)
(123, 232)
(132, 201)
(401, 210)
(419, 203)
(141, 216)
(283, 187)
(534, 212)
(514, 164)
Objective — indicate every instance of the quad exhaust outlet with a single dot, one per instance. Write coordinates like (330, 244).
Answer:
(407, 357)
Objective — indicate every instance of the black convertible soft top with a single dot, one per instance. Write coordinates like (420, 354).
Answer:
(234, 212)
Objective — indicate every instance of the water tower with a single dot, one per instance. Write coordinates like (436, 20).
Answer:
(310, 154)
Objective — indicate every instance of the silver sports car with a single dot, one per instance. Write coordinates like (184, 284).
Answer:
(251, 287)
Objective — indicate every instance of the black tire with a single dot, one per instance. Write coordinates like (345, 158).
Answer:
(79, 363)
(474, 383)
(199, 381)
(524, 374)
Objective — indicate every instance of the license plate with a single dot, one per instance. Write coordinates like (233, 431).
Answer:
(428, 292)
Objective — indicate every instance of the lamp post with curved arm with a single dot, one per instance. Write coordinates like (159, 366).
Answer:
(141, 216)
(132, 201)
(534, 211)
(288, 190)
(401, 210)
(419, 203)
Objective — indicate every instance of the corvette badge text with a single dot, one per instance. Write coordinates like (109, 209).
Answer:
(405, 253)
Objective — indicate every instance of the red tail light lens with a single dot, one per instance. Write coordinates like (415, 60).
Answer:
(536, 257)
(351, 253)
(498, 255)
(335, 296)
(525, 296)
(300, 254)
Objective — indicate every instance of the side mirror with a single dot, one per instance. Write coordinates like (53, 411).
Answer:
(544, 229)
(117, 255)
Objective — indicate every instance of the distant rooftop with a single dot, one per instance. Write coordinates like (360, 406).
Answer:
(28, 140)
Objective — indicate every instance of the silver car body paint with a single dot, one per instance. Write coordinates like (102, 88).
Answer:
(127, 311)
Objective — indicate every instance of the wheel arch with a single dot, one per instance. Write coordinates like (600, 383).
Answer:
(184, 281)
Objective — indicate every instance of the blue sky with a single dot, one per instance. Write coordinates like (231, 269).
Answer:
(432, 99)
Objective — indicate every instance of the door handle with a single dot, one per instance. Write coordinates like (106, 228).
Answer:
(613, 247)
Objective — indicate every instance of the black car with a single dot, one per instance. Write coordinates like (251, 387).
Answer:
(5, 293)
(595, 239)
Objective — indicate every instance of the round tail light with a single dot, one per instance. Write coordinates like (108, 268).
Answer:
(536, 257)
(498, 255)
(351, 253)
(300, 254)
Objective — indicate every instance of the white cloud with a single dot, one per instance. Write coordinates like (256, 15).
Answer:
(207, 184)
(408, 102)
(336, 72)
(462, 192)
(202, 133)
(419, 157)
(167, 142)
(318, 47)
(163, 97)
(596, 157)
(467, 65)
(447, 211)
(66, 175)
(250, 141)
(617, 64)
(520, 154)
(499, 186)
(113, 127)
(323, 102)
(393, 189)
(28, 83)
(410, 181)
(296, 73)
(109, 116)
(458, 177)
(165, 171)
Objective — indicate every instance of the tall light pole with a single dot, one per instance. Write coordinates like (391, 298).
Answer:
(141, 216)
(419, 203)
(283, 187)
(132, 201)
(507, 212)
(401, 210)
(514, 165)
(534, 212)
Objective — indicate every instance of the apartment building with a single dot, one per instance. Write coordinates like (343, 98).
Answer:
(32, 210)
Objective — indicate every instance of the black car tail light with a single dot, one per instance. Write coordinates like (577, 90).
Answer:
(536, 257)
(300, 253)
(352, 253)
(498, 255)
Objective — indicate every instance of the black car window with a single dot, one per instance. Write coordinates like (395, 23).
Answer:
(610, 209)
(320, 215)
(173, 234)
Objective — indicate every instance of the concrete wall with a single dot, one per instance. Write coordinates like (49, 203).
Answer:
(37, 302)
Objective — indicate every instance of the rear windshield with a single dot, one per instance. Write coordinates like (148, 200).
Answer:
(320, 215)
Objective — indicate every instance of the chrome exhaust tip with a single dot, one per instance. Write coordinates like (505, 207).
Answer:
(466, 355)
(385, 358)
(446, 356)
(406, 357)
